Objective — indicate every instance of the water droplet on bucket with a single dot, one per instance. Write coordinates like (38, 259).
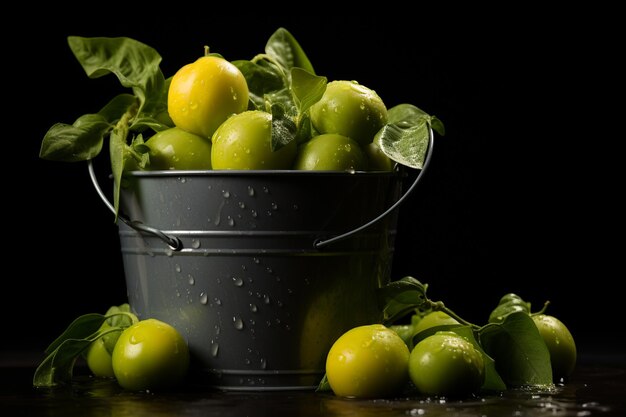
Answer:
(247, 361)
(177, 268)
(263, 363)
(214, 349)
(242, 205)
(217, 329)
(183, 180)
(256, 260)
(238, 323)
(231, 221)
(254, 213)
(192, 280)
(237, 281)
(269, 270)
(266, 299)
(266, 190)
(169, 252)
(253, 308)
(225, 194)
(274, 206)
(295, 207)
(204, 298)
(195, 243)
(217, 301)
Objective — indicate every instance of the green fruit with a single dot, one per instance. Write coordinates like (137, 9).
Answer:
(446, 364)
(349, 109)
(367, 362)
(331, 152)
(177, 149)
(150, 354)
(560, 344)
(245, 142)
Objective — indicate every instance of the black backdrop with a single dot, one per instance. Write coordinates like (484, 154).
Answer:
(510, 204)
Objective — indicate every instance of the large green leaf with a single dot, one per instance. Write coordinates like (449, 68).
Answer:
(519, 351)
(135, 64)
(83, 139)
(283, 48)
(399, 298)
(307, 88)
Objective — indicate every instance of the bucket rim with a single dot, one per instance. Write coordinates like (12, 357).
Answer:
(262, 173)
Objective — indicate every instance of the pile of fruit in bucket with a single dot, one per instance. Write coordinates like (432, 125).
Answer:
(274, 112)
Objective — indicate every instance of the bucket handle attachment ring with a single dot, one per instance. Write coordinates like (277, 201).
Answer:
(319, 243)
(176, 244)
(172, 241)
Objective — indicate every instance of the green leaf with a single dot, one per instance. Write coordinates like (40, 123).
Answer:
(406, 146)
(283, 48)
(324, 385)
(80, 328)
(83, 139)
(135, 64)
(283, 127)
(405, 137)
(406, 113)
(437, 125)
(262, 78)
(118, 155)
(307, 88)
(493, 381)
(399, 298)
(520, 354)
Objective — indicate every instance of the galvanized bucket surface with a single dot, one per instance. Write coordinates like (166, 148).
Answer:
(244, 265)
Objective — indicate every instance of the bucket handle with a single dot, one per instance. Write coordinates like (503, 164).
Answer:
(319, 243)
(176, 244)
(172, 241)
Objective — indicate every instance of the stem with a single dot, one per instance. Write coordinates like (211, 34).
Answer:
(543, 309)
(440, 306)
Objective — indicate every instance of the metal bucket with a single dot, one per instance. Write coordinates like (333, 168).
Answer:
(261, 271)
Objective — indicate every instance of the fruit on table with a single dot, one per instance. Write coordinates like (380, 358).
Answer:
(203, 94)
(150, 354)
(366, 362)
(351, 110)
(560, 344)
(446, 364)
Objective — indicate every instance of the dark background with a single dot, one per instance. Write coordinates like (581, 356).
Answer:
(519, 197)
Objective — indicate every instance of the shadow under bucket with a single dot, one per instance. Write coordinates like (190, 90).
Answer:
(258, 273)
